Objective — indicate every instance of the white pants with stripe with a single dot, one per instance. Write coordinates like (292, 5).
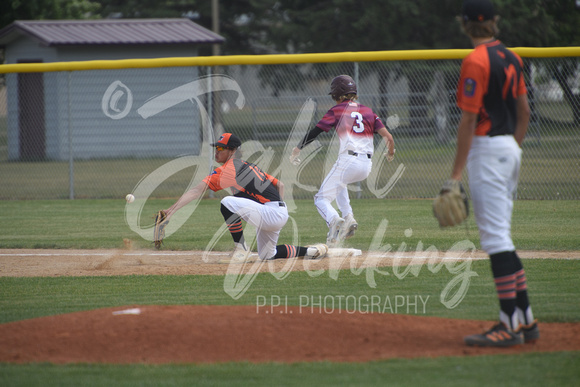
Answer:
(346, 170)
(268, 219)
(493, 166)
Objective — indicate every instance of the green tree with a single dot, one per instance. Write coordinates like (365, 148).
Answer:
(12, 10)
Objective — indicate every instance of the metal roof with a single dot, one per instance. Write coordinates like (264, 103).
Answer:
(110, 32)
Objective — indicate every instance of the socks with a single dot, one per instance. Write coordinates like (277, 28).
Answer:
(523, 307)
(503, 267)
(506, 292)
(234, 223)
(289, 251)
(512, 290)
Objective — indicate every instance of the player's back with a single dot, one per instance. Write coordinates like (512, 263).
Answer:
(500, 102)
(355, 125)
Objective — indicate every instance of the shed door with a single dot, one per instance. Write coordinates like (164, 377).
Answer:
(31, 115)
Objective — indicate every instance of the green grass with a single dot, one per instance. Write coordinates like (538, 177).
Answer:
(554, 301)
(67, 224)
(550, 170)
(552, 292)
(530, 369)
(541, 225)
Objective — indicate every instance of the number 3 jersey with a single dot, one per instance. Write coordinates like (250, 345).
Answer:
(490, 82)
(355, 125)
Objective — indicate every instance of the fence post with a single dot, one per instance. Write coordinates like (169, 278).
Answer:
(210, 121)
(71, 176)
(356, 77)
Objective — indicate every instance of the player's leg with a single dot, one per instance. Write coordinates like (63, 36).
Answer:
(234, 223)
(317, 251)
(358, 170)
(491, 164)
(234, 209)
(323, 201)
(528, 325)
(489, 168)
(272, 218)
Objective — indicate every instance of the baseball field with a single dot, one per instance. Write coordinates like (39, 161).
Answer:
(86, 301)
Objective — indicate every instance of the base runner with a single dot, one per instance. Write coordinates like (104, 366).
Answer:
(355, 125)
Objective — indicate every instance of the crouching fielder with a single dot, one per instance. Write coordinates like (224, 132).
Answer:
(257, 200)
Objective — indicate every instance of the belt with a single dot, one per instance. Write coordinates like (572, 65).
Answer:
(356, 154)
(280, 204)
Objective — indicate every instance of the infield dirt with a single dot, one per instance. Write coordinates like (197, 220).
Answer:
(205, 334)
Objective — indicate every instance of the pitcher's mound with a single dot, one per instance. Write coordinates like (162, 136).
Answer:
(206, 334)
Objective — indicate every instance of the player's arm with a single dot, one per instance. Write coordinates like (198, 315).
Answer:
(523, 118)
(280, 188)
(465, 134)
(388, 138)
(308, 138)
(191, 195)
(277, 183)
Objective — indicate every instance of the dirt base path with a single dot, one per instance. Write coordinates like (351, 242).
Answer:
(207, 334)
(72, 263)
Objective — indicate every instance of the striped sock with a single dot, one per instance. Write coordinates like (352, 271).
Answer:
(234, 223)
(237, 231)
(506, 292)
(523, 307)
(290, 251)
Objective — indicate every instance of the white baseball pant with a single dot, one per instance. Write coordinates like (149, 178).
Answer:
(346, 170)
(268, 218)
(493, 167)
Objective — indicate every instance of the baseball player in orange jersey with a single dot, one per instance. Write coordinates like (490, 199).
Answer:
(355, 125)
(495, 114)
(257, 199)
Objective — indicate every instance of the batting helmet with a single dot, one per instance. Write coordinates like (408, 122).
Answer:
(342, 85)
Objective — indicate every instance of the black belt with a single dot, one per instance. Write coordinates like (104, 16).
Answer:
(356, 154)
(281, 204)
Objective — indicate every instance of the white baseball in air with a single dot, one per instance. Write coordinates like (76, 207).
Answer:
(130, 198)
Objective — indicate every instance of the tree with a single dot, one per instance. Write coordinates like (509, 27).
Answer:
(12, 10)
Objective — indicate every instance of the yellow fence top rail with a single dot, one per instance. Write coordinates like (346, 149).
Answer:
(360, 56)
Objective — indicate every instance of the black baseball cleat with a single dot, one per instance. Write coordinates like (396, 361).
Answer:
(498, 336)
(531, 332)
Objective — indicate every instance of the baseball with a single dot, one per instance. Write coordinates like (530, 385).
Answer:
(130, 198)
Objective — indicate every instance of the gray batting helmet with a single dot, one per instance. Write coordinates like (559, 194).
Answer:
(342, 85)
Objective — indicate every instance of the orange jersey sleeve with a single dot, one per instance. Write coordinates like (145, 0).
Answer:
(222, 177)
(473, 81)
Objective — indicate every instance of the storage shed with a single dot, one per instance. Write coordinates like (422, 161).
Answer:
(94, 114)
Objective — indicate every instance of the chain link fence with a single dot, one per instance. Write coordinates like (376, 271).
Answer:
(105, 133)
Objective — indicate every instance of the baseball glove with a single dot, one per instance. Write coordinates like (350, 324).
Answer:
(451, 207)
(159, 233)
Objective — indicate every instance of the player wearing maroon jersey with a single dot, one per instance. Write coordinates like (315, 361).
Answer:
(355, 125)
(257, 199)
(495, 114)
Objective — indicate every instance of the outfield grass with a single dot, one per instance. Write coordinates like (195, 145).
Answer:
(544, 225)
(550, 170)
(65, 224)
(532, 369)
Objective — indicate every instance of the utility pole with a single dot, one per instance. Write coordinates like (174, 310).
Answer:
(215, 23)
